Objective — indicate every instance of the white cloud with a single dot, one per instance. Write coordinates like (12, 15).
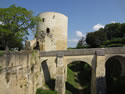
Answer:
(73, 40)
(112, 22)
(97, 27)
(0, 22)
(79, 34)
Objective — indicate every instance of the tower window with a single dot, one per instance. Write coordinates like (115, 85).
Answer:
(43, 19)
(47, 30)
(53, 16)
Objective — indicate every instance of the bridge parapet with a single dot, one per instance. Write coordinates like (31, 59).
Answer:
(81, 52)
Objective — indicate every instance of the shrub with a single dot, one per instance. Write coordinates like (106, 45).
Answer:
(117, 42)
(115, 45)
(41, 91)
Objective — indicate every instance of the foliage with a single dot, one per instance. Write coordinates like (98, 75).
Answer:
(1, 53)
(1, 69)
(113, 30)
(81, 43)
(115, 41)
(68, 92)
(112, 35)
(50, 86)
(95, 39)
(15, 24)
(71, 48)
(115, 45)
(41, 91)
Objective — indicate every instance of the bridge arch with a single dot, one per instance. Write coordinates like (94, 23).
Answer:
(82, 76)
(115, 73)
(88, 59)
(78, 60)
(120, 59)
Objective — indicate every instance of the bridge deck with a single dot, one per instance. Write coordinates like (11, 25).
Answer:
(79, 52)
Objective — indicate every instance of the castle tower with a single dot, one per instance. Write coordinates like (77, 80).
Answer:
(52, 31)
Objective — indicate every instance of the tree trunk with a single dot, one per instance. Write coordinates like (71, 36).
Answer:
(6, 47)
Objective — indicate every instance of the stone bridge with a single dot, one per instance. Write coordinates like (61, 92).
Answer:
(24, 72)
(96, 58)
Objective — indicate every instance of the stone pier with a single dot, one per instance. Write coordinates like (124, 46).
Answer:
(100, 72)
(60, 76)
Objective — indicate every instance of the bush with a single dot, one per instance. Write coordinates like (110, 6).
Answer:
(117, 42)
(1, 53)
(41, 91)
(115, 45)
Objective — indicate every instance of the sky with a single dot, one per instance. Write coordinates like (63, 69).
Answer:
(83, 15)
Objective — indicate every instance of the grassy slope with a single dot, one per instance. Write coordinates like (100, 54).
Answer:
(76, 80)
(41, 91)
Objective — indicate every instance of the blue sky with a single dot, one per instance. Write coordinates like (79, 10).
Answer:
(84, 15)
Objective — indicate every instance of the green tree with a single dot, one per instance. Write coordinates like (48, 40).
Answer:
(15, 23)
(81, 43)
(123, 29)
(113, 35)
(95, 39)
(113, 30)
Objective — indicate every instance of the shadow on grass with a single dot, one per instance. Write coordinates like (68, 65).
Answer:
(83, 71)
(71, 88)
(51, 84)
(74, 90)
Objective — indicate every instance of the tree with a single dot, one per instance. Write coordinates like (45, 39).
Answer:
(81, 43)
(123, 29)
(113, 30)
(95, 39)
(15, 23)
(113, 35)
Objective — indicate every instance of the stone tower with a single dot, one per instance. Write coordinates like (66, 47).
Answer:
(51, 32)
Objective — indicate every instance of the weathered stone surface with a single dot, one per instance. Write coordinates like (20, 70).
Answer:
(100, 52)
(81, 52)
(51, 32)
(30, 44)
(54, 24)
(100, 75)
(60, 80)
(16, 76)
(22, 72)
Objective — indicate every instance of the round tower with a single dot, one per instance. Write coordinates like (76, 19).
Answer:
(52, 31)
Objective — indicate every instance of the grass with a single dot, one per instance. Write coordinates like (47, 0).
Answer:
(0, 69)
(50, 85)
(78, 78)
(71, 85)
(1, 52)
(71, 77)
(41, 91)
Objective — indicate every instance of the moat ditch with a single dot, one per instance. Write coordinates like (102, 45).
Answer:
(79, 79)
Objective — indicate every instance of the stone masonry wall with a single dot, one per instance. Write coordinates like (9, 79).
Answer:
(19, 73)
(23, 72)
